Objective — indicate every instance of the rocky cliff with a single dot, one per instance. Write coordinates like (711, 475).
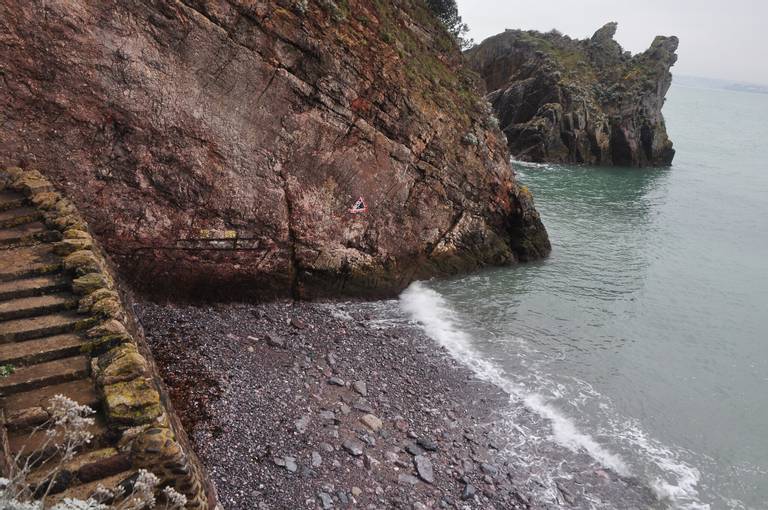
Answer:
(578, 101)
(217, 146)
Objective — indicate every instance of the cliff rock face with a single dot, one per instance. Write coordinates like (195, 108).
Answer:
(217, 146)
(571, 101)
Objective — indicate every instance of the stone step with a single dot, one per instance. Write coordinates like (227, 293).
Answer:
(40, 350)
(38, 447)
(31, 233)
(38, 305)
(36, 327)
(82, 391)
(35, 286)
(87, 466)
(10, 200)
(86, 490)
(44, 374)
(27, 261)
(20, 216)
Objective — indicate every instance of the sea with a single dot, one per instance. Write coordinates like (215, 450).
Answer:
(640, 346)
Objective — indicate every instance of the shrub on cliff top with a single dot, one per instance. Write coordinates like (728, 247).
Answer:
(448, 13)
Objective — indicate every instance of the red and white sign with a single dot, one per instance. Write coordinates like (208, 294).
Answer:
(359, 207)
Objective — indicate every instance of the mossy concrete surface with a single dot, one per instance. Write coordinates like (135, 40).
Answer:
(81, 343)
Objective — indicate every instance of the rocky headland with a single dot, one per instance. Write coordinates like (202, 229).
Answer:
(216, 147)
(565, 100)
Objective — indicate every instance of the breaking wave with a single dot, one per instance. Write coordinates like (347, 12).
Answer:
(428, 308)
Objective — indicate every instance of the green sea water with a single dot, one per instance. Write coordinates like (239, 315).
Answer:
(643, 339)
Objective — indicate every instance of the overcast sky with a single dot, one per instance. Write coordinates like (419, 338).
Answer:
(725, 39)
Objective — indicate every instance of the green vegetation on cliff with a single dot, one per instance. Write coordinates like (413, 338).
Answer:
(448, 13)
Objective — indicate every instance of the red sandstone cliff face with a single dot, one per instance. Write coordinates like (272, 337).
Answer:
(216, 146)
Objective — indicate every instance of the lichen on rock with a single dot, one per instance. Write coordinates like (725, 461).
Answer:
(108, 307)
(68, 246)
(82, 262)
(66, 222)
(85, 303)
(31, 182)
(126, 380)
(588, 101)
(120, 364)
(45, 200)
(132, 402)
(74, 233)
(90, 282)
(111, 327)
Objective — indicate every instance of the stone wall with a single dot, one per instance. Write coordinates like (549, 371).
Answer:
(137, 427)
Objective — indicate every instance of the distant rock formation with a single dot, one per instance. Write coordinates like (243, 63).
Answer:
(578, 101)
(217, 146)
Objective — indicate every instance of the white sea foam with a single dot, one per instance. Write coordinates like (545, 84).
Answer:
(683, 492)
(529, 164)
(430, 309)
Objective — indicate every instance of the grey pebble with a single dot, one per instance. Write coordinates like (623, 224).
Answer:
(424, 468)
(360, 387)
(489, 469)
(353, 446)
(413, 449)
(302, 423)
(326, 501)
(362, 405)
(427, 444)
(274, 340)
(407, 479)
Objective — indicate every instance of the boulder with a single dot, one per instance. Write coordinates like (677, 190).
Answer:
(121, 364)
(372, 422)
(70, 246)
(134, 402)
(89, 283)
(82, 262)
(85, 304)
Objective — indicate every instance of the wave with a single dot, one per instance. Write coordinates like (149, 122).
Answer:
(427, 307)
(531, 164)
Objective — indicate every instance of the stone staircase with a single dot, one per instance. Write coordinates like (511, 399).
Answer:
(64, 331)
